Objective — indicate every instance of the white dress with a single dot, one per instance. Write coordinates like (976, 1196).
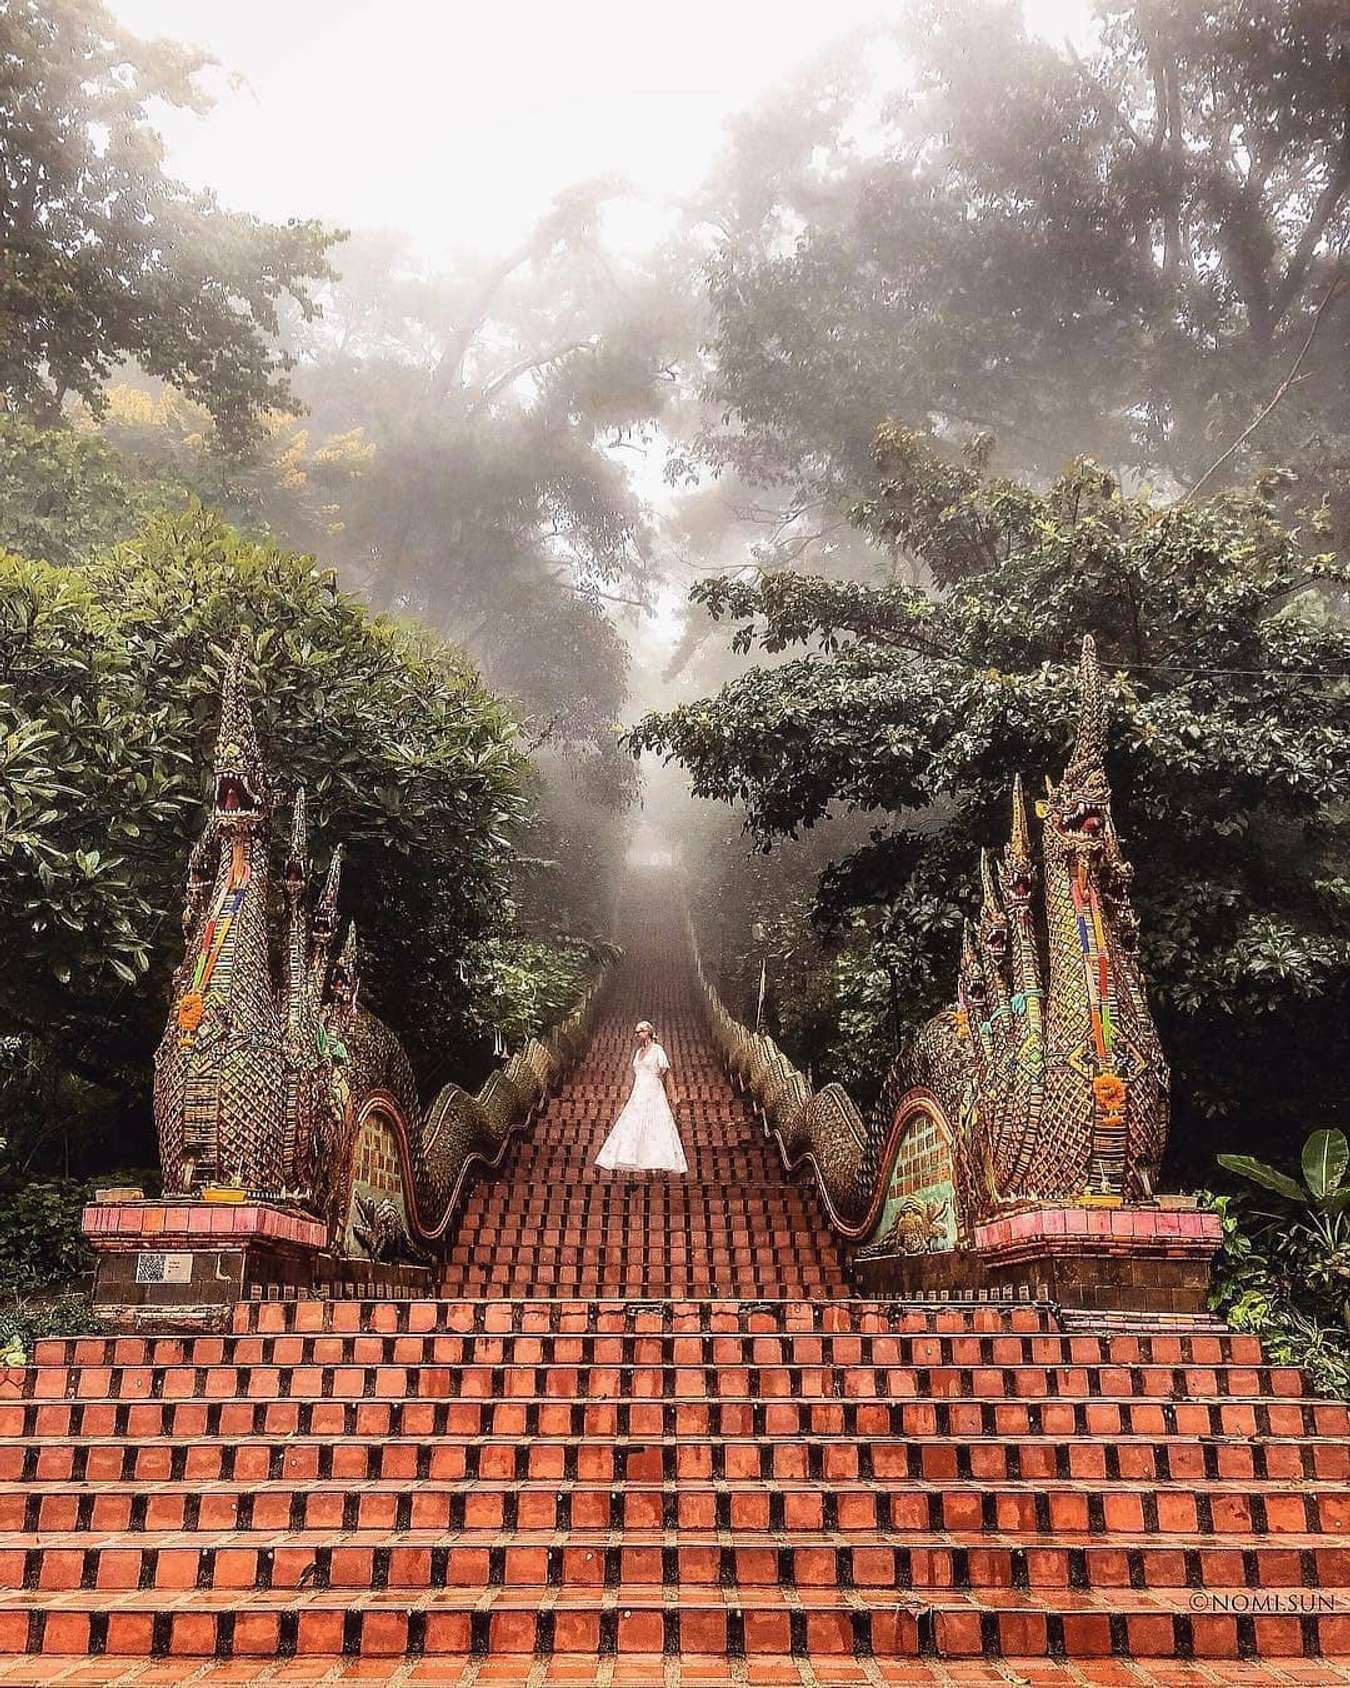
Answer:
(644, 1138)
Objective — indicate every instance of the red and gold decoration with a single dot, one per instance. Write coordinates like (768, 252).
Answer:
(1047, 1077)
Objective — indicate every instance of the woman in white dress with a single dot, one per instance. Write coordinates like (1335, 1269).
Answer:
(644, 1138)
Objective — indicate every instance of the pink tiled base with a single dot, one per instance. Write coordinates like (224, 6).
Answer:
(194, 1224)
(223, 1253)
(1073, 1230)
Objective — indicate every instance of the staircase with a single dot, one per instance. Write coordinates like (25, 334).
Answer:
(646, 1435)
(734, 1229)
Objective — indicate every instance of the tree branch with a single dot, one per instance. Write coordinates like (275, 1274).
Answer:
(451, 362)
(542, 738)
(1327, 202)
(534, 360)
(1280, 391)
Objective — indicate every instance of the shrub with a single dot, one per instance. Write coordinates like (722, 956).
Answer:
(1284, 1274)
(41, 1243)
(25, 1323)
(534, 983)
(110, 678)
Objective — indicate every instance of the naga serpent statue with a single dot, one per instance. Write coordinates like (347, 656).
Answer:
(1044, 1081)
(288, 1087)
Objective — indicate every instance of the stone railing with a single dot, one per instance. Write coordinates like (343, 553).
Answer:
(463, 1131)
(817, 1129)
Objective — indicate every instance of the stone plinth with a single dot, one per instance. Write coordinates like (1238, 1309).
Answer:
(185, 1261)
(1129, 1259)
(1147, 1259)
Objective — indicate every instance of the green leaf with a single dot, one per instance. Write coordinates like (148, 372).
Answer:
(1326, 1155)
(1246, 1166)
(94, 855)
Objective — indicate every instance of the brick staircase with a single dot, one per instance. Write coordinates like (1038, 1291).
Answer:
(647, 1436)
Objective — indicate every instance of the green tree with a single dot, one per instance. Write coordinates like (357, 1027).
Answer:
(496, 398)
(63, 494)
(1229, 741)
(1118, 253)
(109, 683)
(465, 454)
(103, 257)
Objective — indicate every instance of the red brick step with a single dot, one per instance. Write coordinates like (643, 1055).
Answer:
(265, 1624)
(646, 1421)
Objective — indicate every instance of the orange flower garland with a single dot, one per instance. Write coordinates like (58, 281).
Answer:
(191, 1010)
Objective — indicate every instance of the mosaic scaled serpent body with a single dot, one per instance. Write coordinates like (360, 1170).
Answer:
(1044, 1080)
(289, 1086)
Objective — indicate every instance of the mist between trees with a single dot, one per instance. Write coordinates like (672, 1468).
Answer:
(969, 343)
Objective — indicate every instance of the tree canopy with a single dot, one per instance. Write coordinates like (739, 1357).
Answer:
(104, 257)
(64, 494)
(1230, 731)
(465, 456)
(1117, 253)
(110, 679)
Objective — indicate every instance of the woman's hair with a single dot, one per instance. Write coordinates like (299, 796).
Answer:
(645, 1026)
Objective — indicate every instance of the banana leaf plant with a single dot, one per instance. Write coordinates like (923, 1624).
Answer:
(1320, 1234)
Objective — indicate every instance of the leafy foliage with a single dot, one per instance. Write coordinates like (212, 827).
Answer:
(1320, 1235)
(25, 1322)
(827, 997)
(1229, 743)
(1286, 1276)
(496, 399)
(51, 1118)
(107, 258)
(41, 1243)
(109, 683)
(64, 494)
(532, 984)
(462, 464)
(464, 457)
(1117, 252)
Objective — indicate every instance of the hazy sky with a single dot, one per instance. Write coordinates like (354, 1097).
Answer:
(457, 120)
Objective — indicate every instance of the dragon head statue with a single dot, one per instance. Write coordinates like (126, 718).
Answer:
(344, 983)
(239, 786)
(296, 872)
(324, 922)
(972, 988)
(993, 922)
(1017, 874)
(1078, 809)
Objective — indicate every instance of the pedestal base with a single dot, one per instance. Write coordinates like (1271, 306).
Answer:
(187, 1262)
(1127, 1259)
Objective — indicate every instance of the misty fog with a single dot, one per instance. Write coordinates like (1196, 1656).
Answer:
(704, 378)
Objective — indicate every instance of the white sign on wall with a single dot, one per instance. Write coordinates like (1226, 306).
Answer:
(163, 1268)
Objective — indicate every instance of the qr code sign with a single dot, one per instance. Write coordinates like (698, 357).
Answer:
(163, 1268)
